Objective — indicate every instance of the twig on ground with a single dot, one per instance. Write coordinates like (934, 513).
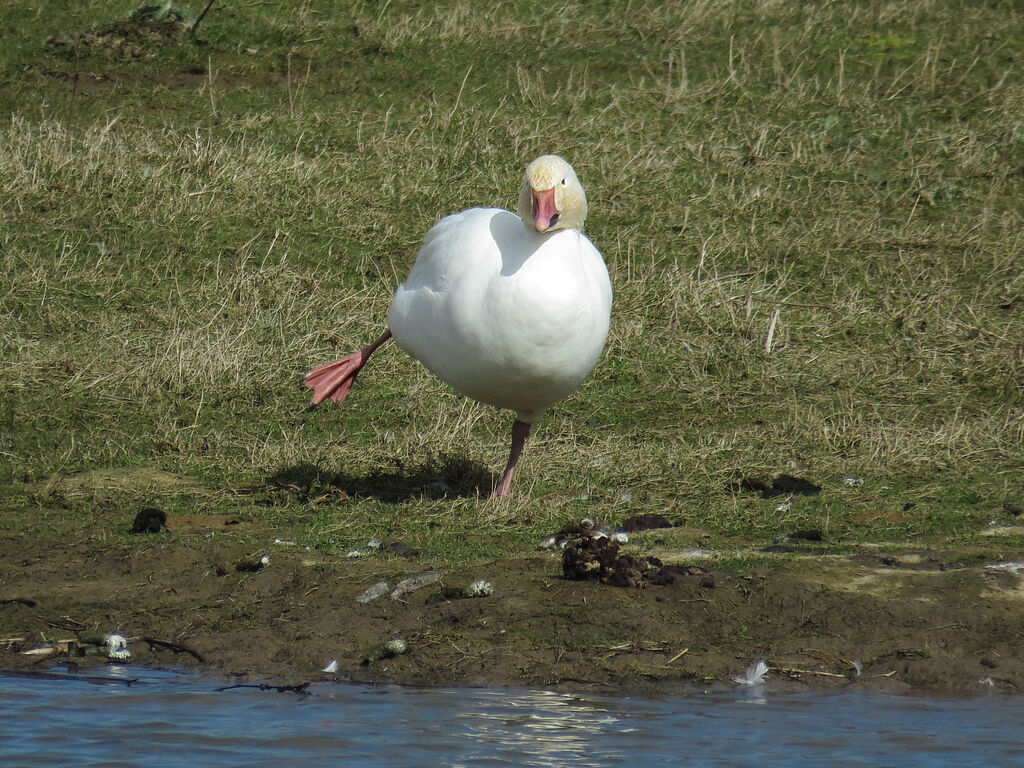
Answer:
(165, 645)
(677, 656)
(200, 17)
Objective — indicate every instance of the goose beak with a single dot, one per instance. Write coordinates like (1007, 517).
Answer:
(545, 213)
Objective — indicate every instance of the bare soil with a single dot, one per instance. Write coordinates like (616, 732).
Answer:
(197, 596)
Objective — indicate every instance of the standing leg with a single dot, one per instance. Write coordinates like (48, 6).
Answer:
(334, 380)
(520, 430)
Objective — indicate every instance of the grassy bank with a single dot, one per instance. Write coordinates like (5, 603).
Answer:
(811, 215)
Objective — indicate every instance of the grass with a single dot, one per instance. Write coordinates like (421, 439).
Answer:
(811, 217)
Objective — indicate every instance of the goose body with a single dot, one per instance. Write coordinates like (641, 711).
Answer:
(510, 309)
(506, 316)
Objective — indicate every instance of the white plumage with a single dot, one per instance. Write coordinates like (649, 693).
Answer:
(505, 316)
(510, 310)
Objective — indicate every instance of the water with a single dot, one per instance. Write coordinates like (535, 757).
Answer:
(176, 719)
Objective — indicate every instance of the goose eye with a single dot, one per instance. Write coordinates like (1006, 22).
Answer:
(563, 182)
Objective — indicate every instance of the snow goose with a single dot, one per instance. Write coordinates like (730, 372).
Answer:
(512, 316)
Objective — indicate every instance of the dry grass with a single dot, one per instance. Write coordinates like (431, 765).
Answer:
(811, 218)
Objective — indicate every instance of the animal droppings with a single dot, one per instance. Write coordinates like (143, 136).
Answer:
(252, 564)
(149, 520)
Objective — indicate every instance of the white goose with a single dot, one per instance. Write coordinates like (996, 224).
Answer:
(510, 315)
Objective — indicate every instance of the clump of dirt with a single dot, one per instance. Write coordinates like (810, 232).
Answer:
(149, 520)
(590, 557)
(141, 35)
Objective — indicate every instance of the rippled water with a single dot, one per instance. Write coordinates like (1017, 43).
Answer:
(168, 719)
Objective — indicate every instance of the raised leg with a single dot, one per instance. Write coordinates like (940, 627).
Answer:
(334, 380)
(520, 431)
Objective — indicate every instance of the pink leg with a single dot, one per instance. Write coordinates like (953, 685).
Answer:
(520, 430)
(334, 380)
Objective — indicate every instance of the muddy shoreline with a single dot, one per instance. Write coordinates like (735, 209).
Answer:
(920, 619)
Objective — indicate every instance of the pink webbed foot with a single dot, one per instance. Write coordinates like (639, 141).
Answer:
(334, 380)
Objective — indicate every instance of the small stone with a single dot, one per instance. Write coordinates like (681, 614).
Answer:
(386, 650)
(479, 588)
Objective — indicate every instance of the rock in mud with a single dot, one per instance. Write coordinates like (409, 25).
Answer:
(413, 583)
(385, 650)
(372, 592)
(479, 588)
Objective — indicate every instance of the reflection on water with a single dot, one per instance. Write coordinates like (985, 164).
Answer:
(541, 727)
(168, 719)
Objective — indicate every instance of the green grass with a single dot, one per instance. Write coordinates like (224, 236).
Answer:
(811, 216)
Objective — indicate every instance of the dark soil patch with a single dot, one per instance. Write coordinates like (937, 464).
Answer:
(906, 621)
(783, 485)
(647, 522)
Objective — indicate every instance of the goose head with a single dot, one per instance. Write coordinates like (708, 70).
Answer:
(551, 197)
